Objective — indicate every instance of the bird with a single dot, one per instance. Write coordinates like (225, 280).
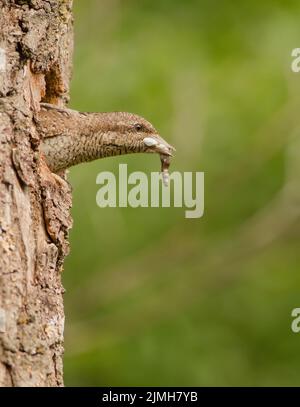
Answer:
(70, 137)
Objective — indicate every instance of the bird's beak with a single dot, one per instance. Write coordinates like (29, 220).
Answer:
(157, 144)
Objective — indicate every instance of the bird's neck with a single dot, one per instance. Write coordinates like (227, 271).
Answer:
(82, 148)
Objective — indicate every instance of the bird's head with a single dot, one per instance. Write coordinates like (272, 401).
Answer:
(136, 134)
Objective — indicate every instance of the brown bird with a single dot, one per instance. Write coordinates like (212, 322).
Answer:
(70, 137)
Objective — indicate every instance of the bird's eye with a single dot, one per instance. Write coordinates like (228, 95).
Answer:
(138, 127)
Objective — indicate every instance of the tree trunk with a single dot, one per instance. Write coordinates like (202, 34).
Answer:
(36, 43)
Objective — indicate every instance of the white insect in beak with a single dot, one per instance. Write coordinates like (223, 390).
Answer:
(150, 142)
(160, 146)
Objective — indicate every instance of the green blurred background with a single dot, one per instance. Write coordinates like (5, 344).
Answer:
(154, 298)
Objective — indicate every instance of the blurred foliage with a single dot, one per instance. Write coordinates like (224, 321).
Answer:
(154, 298)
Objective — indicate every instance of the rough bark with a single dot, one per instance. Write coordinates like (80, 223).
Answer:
(35, 61)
